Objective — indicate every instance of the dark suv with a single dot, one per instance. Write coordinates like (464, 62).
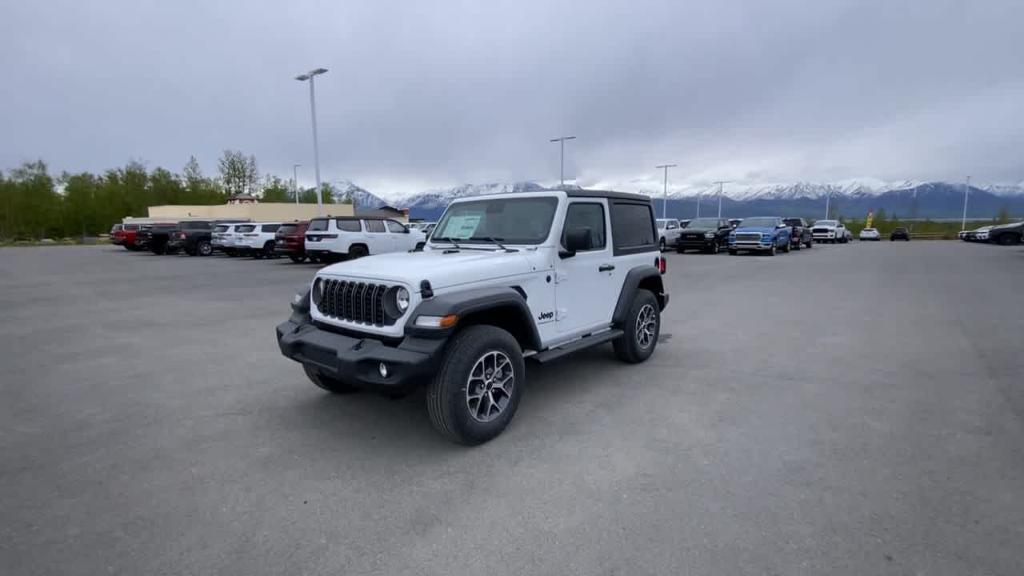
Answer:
(899, 234)
(1007, 234)
(154, 237)
(800, 234)
(290, 240)
(705, 234)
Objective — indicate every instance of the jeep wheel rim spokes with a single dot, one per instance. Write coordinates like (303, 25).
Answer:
(646, 323)
(489, 386)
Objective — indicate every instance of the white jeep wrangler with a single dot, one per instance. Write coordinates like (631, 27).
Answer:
(504, 277)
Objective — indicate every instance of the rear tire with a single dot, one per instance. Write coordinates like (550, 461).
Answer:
(358, 251)
(786, 247)
(297, 258)
(640, 329)
(477, 389)
(332, 385)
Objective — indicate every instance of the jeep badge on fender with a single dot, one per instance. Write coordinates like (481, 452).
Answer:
(462, 315)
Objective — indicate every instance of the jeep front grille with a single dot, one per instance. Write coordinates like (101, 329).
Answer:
(353, 301)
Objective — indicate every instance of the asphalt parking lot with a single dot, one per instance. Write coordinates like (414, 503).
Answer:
(845, 410)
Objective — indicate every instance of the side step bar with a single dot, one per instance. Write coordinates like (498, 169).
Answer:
(575, 346)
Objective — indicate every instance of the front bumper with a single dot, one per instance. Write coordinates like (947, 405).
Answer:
(750, 246)
(695, 243)
(357, 360)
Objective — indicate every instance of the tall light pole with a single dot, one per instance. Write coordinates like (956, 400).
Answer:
(316, 145)
(720, 184)
(561, 163)
(828, 199)
(698, 204)
(295, 181)
(967, 189)
(664, 201)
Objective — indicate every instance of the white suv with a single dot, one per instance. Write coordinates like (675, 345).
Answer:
(337, 238)
(504, 277)
(255, 239)
(223, 238)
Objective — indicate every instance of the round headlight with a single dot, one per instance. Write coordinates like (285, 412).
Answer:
(318, 291)
(402, 299)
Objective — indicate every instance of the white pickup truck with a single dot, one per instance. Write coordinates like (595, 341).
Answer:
(829, 231)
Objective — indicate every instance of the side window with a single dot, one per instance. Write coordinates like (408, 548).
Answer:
(672, 225)
(589, 215)
(348, 225)
(632, 227)
(375, 226)
(317, 225)
(395, 227)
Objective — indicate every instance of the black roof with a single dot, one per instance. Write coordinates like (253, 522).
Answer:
(582, 193)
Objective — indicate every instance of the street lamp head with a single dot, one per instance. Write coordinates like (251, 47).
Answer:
(310, 74)
(562, 139)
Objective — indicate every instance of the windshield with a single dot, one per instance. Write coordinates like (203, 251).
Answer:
(793, 222)
(703, 223)
(759, 223)
(826, 223)
(510, 221)
(869, 230)
(317, 226)
(287, 229)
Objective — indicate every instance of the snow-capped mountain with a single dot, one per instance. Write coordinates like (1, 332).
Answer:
(347, 191)
(848, 197)
(439, 198)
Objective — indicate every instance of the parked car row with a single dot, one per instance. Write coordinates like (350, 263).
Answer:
(325, 239)
(765, 234)
(1004, 235)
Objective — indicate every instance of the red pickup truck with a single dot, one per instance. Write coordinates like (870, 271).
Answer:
(124, 235)
(290, 240)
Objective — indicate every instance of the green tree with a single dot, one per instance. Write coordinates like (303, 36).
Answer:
(308, 196)
(83, 213)
(238, 173)
(34, 206)
(1003, 216)
(198, 188)
(276, 190)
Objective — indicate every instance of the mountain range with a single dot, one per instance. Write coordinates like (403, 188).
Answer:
(850, 198)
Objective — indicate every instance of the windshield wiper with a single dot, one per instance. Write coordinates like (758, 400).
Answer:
(492, 240)
(446, 239)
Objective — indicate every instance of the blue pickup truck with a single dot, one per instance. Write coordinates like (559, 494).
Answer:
(762, 234)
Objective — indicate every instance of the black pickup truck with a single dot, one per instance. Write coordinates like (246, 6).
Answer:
(194, 237)
(153, 237)
(800, 235)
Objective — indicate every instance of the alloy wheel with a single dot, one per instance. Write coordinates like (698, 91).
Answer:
(489, 386)
(646, 323)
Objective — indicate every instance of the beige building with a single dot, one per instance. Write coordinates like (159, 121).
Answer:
(253, 211)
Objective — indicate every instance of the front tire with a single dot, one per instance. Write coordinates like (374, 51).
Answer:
(332, 385)
(640, 330)
(476, 392)
(356, 252)
(786, 247)
(771, 251)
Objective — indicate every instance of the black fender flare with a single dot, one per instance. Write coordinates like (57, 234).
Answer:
(650, 277)
(477, 302)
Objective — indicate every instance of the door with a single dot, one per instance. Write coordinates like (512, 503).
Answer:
(585, 287)
(401, 238)
(377, 238)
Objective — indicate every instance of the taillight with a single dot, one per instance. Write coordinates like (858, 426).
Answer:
(661, 264)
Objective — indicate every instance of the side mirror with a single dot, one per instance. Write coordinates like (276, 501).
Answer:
(576, 240)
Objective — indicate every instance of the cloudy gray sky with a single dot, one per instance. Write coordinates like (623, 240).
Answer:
(423, 94)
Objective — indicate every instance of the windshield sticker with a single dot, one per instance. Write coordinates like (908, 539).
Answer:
(462, 226)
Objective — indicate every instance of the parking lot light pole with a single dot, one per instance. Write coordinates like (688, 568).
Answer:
(664, 201)
(316, 146)
(295, 181)
(561, 161)
(720, 184)
(967, 190)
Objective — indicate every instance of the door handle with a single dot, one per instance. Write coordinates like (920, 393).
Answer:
(605, 268)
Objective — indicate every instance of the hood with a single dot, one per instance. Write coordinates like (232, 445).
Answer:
(755, 229)
(440, 268)
(699, 229)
